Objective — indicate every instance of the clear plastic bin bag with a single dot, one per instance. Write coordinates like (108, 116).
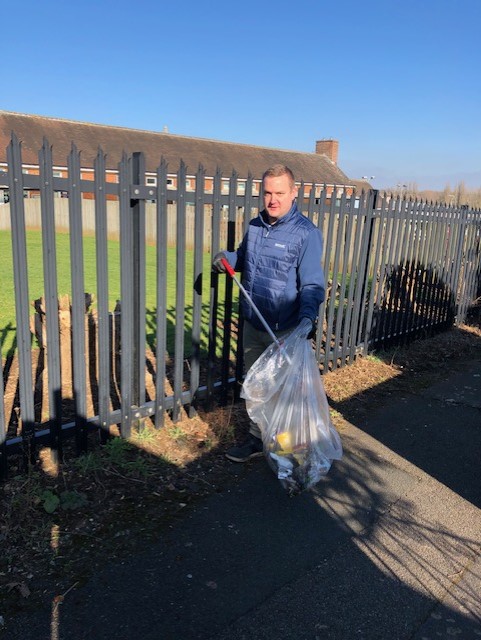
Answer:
(285, 396)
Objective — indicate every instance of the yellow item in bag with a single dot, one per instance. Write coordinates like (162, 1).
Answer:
(285, 441)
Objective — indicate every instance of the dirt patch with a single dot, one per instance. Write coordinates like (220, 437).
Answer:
(61, 523)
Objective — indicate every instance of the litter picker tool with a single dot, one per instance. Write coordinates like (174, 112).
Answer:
(231, 272)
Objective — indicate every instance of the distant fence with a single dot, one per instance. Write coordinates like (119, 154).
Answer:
(33, 220)
(396, 269)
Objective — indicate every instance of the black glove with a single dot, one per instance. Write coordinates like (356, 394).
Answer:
(217, 265)
(307, 328)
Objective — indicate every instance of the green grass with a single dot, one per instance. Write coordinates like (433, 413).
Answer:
(36, 290)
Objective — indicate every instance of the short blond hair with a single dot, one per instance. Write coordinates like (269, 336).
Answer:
(278, 170)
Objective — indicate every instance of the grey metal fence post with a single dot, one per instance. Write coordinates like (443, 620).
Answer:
(79, 387)
(22, 300)
(228, 306)
(180, 266)
(126, 289)
(197, 287)
(101, 262)
(161, 293)
(214, 287)
(3, 430)
(45, 162)
(138, 289)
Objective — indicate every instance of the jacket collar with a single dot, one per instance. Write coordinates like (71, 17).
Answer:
(292, 211)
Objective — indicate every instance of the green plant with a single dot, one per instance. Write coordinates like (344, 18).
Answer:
(177, 433)
(115, 450)
(117, 453)
(67, 500)
(335, 415)
(209, 444)
(49, 500)
(144, 434)
(88, 463)
(375, 358)
(139, 467)
(26, 494)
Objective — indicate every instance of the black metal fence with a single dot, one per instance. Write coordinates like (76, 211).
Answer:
(162, 334)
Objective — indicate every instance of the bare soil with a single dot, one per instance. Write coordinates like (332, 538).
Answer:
(61, 523)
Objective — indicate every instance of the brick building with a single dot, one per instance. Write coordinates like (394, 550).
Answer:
(319, 167)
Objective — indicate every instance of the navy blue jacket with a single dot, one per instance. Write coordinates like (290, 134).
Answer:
(281, 270)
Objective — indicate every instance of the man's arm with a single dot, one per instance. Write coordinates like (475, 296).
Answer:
(310, 276)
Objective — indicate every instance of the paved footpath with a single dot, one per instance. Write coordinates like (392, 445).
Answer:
(386, 547)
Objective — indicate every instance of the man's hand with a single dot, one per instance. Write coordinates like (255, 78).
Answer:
(306, 328)
(217, 265)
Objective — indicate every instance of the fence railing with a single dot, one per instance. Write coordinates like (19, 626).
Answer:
(33, 220)
(159, 331)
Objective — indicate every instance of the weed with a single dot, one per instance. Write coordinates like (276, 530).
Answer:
(209, 443)
(49, 500)
(27, 495)
(116, 451)
(144, 435)
(139, 467)
(88, 463)
(67, 500)
(177, 433)
(334, 414)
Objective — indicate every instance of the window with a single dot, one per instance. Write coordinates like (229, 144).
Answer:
(151, 181)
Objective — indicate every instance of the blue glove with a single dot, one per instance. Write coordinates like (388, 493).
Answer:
(306, 328)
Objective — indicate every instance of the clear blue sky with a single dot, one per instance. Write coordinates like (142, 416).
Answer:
(396, 82)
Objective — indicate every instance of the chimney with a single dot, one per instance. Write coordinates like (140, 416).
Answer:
(329, 148)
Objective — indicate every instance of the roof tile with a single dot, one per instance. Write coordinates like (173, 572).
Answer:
(212, 154)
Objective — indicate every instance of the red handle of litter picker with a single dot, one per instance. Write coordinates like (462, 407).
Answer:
(227, 267)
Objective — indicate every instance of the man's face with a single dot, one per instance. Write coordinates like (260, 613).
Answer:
(278, 196)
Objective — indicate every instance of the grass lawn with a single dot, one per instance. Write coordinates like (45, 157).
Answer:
(35, 276)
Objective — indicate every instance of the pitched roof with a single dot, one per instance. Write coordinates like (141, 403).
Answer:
(212, 154)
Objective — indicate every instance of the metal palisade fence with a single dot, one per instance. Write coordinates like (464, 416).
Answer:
(129, 322)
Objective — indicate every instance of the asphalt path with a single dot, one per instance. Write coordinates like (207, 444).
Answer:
(386, 546)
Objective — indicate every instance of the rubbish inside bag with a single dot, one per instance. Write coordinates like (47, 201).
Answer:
(298, 468)
(285, 397)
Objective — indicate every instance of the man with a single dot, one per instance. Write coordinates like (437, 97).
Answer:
(280, 262)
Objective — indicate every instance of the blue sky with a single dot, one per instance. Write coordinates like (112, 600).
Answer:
(396, 82)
